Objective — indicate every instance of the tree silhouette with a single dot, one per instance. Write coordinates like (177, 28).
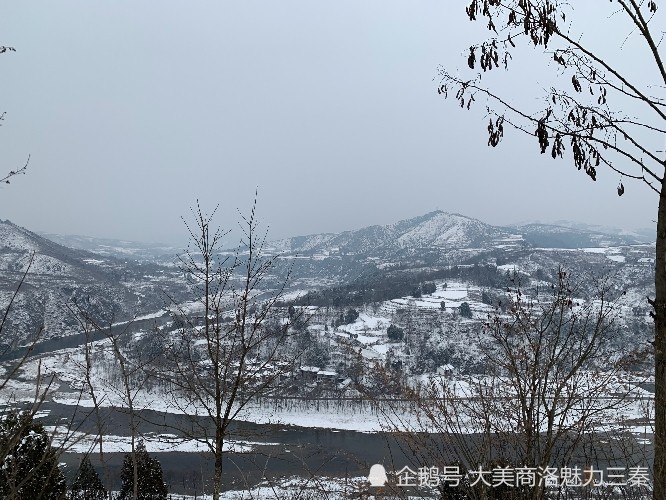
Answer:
(87, 485)
(395, 333)
(224, 365)
(428, 288)
(464, 310)
(150, 485)
(30, 465)
(582, 116)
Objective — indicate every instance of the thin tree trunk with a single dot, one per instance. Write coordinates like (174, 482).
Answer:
(659, 351)
(217, 479)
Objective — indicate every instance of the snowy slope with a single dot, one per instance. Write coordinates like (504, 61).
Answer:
(435, 229)
(57, 276)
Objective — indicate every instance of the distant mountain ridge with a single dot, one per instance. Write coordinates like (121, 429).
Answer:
(132, 280)
(644, 235)
(434, 229)
(445, 230)
(556, 236)
(17, 244)
(58, 277)
(110, 247)
(437, 229)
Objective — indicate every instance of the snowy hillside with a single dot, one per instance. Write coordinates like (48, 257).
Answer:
(377, 311)
(59, 276)
(435, 229)
(448, 231)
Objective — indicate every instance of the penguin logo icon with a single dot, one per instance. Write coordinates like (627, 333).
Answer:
(377, 476)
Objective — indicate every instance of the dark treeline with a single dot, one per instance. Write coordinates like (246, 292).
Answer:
(384, 286)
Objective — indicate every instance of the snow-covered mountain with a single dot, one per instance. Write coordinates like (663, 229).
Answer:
(414, 275)
(120, 288)
(435, 229)
(59, 276)
(447, 231)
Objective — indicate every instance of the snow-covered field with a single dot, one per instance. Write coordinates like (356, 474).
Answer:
(79, 442)
(302, 489)
(366, 336)
(357, 415)
(67, 367)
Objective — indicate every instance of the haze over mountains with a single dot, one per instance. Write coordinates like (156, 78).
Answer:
(119, 280)
(435, 229)
(108, 288)
(413, 296)
(445, 230)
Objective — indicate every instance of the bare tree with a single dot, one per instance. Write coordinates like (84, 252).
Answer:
(13, 173)
(554, 373)
(19, 428)
(223, 360)
(130, 381)
(583, 112)
(25, 464)
(88, 325)
(14, 368)
(13, 433)
(19, 171)
(129, 390)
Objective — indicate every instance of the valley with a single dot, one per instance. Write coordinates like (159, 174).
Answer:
(366, 331)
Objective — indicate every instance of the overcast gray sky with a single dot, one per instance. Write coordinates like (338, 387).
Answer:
(132, 110)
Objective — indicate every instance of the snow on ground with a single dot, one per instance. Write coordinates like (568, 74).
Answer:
(612, 253)
(586, 382)
(293, 295)
(363, 339)
(372, 353)
(316, 488)
(350, 418)
(67, 366)
(509, 267)
(304, 489)
(382, 348)
(154, 315)
(454, 292)
(624, 406)
(78, 442)
(349, 415)
(367, 325)
(595, 250)
(358, 415)
(188, 307)
(93, 261)
(367, 329)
